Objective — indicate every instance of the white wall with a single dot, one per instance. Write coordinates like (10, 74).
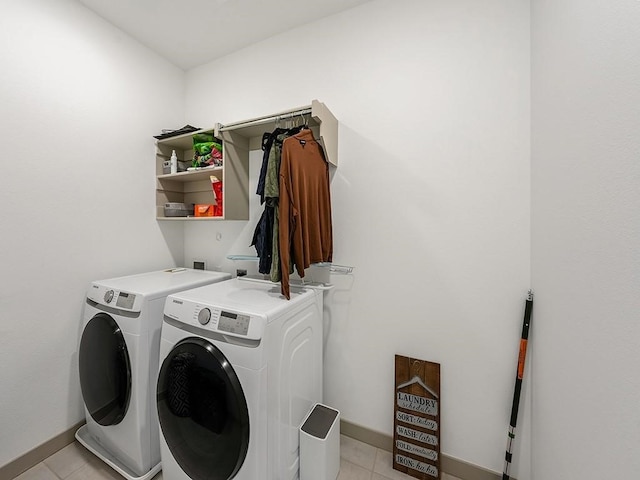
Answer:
(585, 237)
(430, 198)
(80, 101)
(434, 109)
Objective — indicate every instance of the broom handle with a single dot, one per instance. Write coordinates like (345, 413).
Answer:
(518, 387)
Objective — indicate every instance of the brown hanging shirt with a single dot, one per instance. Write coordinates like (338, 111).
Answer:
(305, 232)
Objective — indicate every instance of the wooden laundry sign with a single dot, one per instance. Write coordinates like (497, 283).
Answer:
(416, 422)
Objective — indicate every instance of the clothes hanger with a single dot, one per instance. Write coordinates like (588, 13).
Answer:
(417, 380)
(305, 129)
(305, 124)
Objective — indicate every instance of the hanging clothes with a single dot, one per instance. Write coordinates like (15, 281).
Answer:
(267, 142)
(263, 238)
(304, 209)
(272, 191)
(265, 235)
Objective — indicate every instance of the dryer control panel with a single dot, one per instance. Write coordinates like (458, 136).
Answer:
(233, 322)
(228, 322)
(222, 320)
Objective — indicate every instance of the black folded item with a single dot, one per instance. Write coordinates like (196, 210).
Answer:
(208, 402)
(174, 133)
(178, 388)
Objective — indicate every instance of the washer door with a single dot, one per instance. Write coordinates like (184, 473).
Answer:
(203, 411)
(105, 370)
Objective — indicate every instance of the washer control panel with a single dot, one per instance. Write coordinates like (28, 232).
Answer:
(111, 297)
(125, 300)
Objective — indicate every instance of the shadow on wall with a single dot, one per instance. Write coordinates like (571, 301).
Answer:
(75, 409)
(336, 318)
(173, 234)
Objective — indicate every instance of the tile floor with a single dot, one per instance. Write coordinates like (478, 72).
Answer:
(359, 461)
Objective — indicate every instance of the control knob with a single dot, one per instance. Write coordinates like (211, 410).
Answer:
(108, 296)
(204, 316)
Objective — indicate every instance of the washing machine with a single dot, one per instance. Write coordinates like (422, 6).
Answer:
(241, 367)
(118, 365)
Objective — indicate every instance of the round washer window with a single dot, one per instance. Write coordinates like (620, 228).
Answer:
(203, 411)
(105, 370)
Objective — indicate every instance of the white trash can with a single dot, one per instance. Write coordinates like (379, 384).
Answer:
(320, 444)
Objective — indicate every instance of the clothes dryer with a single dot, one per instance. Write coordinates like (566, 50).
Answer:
(118, 365)
(240, 369)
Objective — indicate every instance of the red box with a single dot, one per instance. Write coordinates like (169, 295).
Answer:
(203, 210)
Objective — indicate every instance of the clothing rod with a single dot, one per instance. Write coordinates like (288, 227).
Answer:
(342, 269)
(266, 119)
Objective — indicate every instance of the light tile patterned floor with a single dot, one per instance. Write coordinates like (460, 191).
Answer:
(359, 461)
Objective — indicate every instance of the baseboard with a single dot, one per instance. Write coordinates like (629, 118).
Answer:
(450, 465)
(38, 454)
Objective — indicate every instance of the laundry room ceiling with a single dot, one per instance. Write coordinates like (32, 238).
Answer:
(193, 32)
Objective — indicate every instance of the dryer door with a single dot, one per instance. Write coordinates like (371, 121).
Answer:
(203, 411)
(105, 370)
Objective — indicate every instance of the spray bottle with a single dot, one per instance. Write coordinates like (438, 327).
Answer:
(174, 162)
